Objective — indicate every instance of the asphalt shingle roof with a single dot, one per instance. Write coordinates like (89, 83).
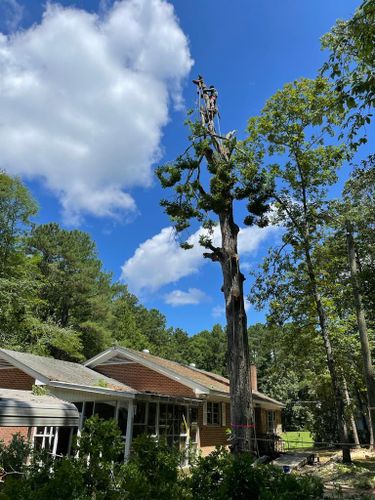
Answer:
(66, 371)
(210, 380)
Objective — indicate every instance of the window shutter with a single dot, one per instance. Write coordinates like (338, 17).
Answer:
(223, 415)
(205, 413)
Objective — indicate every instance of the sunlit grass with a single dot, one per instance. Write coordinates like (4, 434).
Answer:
(297, 440)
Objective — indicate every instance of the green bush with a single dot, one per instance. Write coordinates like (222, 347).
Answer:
(208, 474)
(153, 472)
(221, 476)
(90, 473)
(13, 456)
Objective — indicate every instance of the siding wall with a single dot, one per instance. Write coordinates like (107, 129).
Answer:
(13, 378)
(142, 378)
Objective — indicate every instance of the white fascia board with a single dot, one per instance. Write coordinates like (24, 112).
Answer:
(218, 396)
(197, 388)
(269, 406)
(101, 357)
(85, 388)
(24, 368)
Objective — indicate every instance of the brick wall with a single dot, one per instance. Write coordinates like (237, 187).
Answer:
(6, 433)
(13, 378)
(211, 436)
(142, 378)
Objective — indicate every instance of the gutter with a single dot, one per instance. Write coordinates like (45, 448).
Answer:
(86, 388)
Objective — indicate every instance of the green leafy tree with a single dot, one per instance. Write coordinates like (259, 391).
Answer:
(283, 356)
(72, 273)
(293, 130)
(208, 350)
(76, 294)
(134, 326)
(19, 274)
(358, 212)
(351, 66)
(180, 346)
(16, 209)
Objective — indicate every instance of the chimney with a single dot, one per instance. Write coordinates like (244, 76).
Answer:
(253, 378)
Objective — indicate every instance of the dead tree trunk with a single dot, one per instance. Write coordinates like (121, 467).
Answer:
(368, 368)
(227, 255)
(238, 346)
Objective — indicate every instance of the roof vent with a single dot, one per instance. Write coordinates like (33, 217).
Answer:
(193, 365)
(146, 351)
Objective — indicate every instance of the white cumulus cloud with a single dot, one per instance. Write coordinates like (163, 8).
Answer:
(160, 260)
(180, 298)
(84, 99)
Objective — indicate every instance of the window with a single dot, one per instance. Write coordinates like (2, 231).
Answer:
(213, 413)
(139, 424)
(44, 438)
(270, 422)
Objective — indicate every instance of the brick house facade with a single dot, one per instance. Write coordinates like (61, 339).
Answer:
(144, 393)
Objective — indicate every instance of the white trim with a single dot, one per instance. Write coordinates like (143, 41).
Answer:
(223, 415)
(55, 442)
(205, 413)
(87, 388)
(101, 357)
(129, 430)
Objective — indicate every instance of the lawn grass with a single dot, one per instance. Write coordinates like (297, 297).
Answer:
(297, 440)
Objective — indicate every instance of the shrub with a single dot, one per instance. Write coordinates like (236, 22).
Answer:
(208, 474)
(90, 474)
(153, 471)
(222, 476)
(13, 456)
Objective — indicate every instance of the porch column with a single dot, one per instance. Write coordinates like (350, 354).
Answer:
(129, 430)
(55, 442)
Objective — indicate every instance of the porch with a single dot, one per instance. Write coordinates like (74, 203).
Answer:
(175, 419)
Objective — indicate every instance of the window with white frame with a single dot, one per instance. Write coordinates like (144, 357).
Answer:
(270, 422)
(44, 438)
(213, 413)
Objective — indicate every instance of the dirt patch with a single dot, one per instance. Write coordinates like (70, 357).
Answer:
(356, 480)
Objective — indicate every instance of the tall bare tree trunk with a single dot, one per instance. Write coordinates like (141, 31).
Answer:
(368, 367)
(331, 363)
(353, 425)
(238, 346)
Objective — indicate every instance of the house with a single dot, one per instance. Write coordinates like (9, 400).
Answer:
(144, 393)
(41, 418)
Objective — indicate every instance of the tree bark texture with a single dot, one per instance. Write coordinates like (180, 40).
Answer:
(331, 363)
(368, 367)
(353, 424)
(238, 346)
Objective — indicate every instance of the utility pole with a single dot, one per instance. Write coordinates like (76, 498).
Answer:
(242, 410)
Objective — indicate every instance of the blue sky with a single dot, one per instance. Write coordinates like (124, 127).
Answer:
(94, 98)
